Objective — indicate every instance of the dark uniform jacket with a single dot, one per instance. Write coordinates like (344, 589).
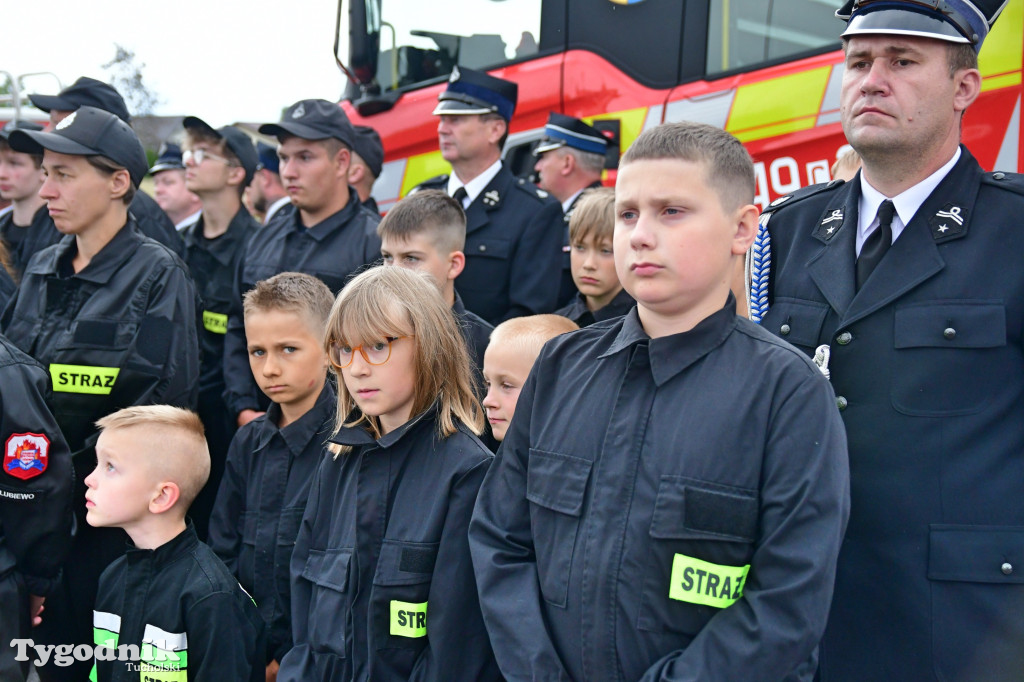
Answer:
(578, 312)
(384, 535)
(567, 288)
(23, 241)
(332, 251)
(691, 536)
(928, 362)
(8, 287)
(260, 504)
(154, 223)
(475, 330)
(513, 238)
(181, 601)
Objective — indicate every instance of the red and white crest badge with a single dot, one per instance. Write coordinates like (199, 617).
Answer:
(26, 455)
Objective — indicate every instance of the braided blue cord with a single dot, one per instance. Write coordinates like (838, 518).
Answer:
(760, 270)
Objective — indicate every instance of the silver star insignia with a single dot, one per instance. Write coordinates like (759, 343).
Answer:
(943, 228)
(831, 230)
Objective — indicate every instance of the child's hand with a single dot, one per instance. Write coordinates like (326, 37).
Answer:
(35, 609)
(272, 669)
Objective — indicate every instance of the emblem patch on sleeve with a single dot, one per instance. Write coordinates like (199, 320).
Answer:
(26, 455)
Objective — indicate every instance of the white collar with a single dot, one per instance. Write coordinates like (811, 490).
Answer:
(475, 186)
(189, 221)
(567, 204)
(275, 207)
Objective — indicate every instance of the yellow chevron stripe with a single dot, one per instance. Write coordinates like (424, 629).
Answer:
(423, 167)
(778, 106)
(1003, 51)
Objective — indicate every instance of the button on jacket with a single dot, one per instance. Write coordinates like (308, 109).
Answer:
(181, 600)
(928, 357)
(382, 583)
(332, 251)
(260, 503)
(691, 536)
(578, 312)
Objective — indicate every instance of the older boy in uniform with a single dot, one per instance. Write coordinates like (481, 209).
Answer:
(367, 161)
(326, 232)
(684, 522)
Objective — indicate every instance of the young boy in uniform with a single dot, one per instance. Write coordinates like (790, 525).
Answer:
(170, 597)
(219, 164)
(599, 294)
(669, 501)
(514, 347)
(273, 458)
(427, 231)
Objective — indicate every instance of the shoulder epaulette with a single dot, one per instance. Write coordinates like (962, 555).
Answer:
(801, 194)
(431, 183)
(1013, 182)
(531, 189)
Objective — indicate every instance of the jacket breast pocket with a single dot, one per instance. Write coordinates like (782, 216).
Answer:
(797, 322)
(947, 358)
(977, 596)
(556, 486)
(487, 262)
(702, 536)
(401, 589)
(329, 604)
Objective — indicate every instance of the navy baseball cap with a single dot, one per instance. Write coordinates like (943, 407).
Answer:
(369, 148)
(11, 126)
(955, 21)
(238, 142)
(313, 119)
(88, 131)
(268, 157)
(87, 92)
(475, 92)
(169, 158)
(566, 131)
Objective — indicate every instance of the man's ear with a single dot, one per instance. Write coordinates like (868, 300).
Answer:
(498, 127)
(968, 87)
(356, 171)
(343, 162)
(236, 175)
(568, 163)
(745, 222)
(167, 495)
(456, 264)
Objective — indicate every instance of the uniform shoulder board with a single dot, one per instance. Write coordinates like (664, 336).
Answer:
(801, 194)
(436, 182)
(1013, 182)
(531, 189)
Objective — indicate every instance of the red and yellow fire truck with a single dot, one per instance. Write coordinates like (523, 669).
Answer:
(767, 71)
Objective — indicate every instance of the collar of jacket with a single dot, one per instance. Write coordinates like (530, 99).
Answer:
(224, 247)
(299, 433)
(103, 265)
(332, 223)
(670, 355)
(357, 435)
(166, 553)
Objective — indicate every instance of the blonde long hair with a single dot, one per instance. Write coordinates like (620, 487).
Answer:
(391, 301)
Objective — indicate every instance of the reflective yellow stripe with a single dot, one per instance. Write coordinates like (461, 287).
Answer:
(779, 105)
(423, 167)
(215, 323)
(408, 620)
(83, 379)
(1003, 51)
(700, 582)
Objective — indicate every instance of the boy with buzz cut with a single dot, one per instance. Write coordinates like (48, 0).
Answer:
(272, 459)
(599, 294)
(669, 501)
(514, 347)
(427, 231)
(168, 609)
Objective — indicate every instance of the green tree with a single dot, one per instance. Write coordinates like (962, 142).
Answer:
(126, 75)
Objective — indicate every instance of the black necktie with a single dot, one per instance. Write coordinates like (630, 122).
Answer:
(877, 243)
(460, 196)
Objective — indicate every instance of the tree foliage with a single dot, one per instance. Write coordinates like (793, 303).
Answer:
(126, 76)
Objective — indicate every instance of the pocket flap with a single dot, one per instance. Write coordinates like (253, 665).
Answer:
(288, 530)
(687, 508)
(799, 322)
(958, 324)
(558, 482)
(977, 554)
(328, 568)
(489, 247)
(405, 563)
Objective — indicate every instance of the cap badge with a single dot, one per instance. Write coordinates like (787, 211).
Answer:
(26, 455)
(455, 75)
(492, 198)
(67, 121)
(300, 111)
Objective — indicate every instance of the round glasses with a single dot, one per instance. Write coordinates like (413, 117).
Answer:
(199, 155)
(378, 353)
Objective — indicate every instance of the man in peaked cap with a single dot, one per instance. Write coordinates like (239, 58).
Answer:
(513, 230)
(570, 158)
(169, 190)
(909, 276)
(266, 192)
(367, 162)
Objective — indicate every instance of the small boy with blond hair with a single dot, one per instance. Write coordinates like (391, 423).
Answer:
(599, 294)
(514, 346)
(254, 524)
(169, 607)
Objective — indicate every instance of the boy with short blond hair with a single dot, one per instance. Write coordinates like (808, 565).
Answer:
(599, 294)
(168, 608)
(670, 499)
(515, 345)
(254, 525)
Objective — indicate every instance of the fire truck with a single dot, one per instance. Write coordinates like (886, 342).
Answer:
(767, 71)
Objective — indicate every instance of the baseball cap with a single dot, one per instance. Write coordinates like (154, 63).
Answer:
(313, 119)
(88, 131)
(955, 21)
(84, 92)
(238, 142)
(475, 92)
(369, 148)
(11, 126)
(566, 131)
(268, 157)
(168, 158)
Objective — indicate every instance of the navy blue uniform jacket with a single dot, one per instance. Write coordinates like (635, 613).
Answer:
(691, 536)
(578, 312)
(927, 358)
(382, 582)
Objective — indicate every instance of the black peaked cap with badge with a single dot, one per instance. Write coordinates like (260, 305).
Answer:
(369, 148)
(239, 143)
(11, 126)
(956, 21)
(87, 92)
(88, 131)
(566, 131)
(476, 92)
(168, 158)
(313, 119)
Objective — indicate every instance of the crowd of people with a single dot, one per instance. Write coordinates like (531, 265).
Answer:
(255, 431)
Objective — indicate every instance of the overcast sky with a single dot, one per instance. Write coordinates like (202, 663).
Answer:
(221, 60)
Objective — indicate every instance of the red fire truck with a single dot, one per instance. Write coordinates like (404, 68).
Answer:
(768, 71)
